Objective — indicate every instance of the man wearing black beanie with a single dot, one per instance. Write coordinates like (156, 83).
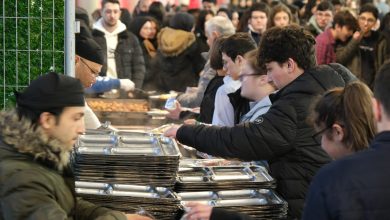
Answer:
(36, 139)
(89, 62)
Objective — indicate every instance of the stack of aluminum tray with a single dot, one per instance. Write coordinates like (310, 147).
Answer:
(203, 175)
(159, 202)
(126, 158)
(258, 203)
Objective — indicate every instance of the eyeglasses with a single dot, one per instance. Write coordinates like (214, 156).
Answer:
(95, 71)
(368, 20)
(318, 135)
(241, 76)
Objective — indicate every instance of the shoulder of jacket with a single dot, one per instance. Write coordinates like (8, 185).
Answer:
(97, 33)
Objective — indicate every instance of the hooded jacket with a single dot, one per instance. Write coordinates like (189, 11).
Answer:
(282, 135)
(179, 60)
(35, 179)
(129, 59)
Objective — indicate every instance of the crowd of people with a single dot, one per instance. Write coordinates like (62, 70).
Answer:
(302, 88)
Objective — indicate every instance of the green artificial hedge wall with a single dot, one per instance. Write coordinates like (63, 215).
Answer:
(32, 38)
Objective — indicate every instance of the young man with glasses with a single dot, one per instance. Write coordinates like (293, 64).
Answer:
(365, 52)
(321, 19)
(89, 61)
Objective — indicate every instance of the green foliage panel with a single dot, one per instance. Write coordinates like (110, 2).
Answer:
(31, 43)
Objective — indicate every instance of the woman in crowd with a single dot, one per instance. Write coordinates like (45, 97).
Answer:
(142, 27)
(345, 122)
(201, 38)
(280, 16)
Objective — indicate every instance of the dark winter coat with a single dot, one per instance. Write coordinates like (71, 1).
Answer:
(281, 136)
(240, 105)
(349, 55)
(178, 61)
(354, 187)
(129, 58)
(35, 181)
(207, 105)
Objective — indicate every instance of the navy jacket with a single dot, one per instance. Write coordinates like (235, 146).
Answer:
(355, 187)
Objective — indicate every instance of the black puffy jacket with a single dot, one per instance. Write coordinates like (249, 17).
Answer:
(129, 58)
(282, 135)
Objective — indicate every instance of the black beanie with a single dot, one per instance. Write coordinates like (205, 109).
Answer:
(182, 21)
(87, 48)
(51, 91)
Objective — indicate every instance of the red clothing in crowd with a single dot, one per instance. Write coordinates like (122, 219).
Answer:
(325, 47)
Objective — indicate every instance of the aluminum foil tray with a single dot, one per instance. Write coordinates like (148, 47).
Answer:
(258, 203)
(197, 175)
(126, 143)
(160, 202)
(126, 158)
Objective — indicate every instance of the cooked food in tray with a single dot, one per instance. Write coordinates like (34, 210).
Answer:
(117, 105)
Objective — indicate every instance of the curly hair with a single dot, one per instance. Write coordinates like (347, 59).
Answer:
(279, 44)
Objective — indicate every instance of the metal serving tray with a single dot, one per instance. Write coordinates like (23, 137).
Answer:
(125, 190)
(254, 197)
(126, 143)
(223, 174)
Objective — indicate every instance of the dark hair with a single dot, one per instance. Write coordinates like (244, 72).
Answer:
(216, 62)
(308, 9)
(242, 25)
(211, 1)
(382, 88)
(157, 10)
(385, 30)
(345, 18)
(260, 6)
(227, 11)
(238, 44)
(276, 9)
(337, 2)
(279, 44)
(104, 2)
(182, 21)
(33, 115)
(351, 107)
(325, 6)
(201, 20)
(370, 8)
(125, 17)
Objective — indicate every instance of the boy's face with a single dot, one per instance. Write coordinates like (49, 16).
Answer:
(366, 21)
(278, 74)
(258, 21)
(232, 67)
(324, 18)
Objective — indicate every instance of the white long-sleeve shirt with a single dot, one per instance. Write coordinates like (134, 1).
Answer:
(223, 109)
